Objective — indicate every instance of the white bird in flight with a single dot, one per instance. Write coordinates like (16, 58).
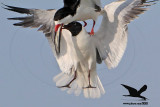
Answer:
(78, 10)
(79, 51)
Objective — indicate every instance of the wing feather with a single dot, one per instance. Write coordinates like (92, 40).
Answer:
(144, 88)
(44, 21)
(64, 59)
(35, 18)
(131, 90)
(112, 34)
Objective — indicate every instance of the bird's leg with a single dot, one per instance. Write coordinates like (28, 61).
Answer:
(89, 79)
(85, 23)
(92, 30)
(68, 85)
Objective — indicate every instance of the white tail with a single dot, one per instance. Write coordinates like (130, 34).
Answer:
(80, 83)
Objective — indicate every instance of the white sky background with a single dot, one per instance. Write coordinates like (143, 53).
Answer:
(27, 64)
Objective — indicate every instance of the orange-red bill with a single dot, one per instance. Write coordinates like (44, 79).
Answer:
(56, 27)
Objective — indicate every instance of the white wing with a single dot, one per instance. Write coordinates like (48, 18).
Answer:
(111, 38)
(35, 18)
(64, 58)
(44, 20)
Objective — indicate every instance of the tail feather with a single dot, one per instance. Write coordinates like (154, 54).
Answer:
(79, 83)
(75, 89)
(92, 93)
(100, 86)
(95, 82)
(56, 78)
(62, 79)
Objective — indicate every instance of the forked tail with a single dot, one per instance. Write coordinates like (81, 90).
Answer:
(68, 82)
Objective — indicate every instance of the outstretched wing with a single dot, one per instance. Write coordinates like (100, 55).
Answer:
(44, 19)
(64, 58)
(35, 18)
(144, 88)
(131, 90)
(111, 38)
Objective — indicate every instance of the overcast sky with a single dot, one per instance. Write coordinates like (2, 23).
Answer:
(27, 65)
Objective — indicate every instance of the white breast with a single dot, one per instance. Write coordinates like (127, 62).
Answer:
(85, 45)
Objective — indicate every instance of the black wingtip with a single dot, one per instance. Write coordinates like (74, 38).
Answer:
(125, 86)
(11, 18)
(18, 18)
(3, 5)
(145, 86)
(122, 84)
(16, 9)
(16, 24)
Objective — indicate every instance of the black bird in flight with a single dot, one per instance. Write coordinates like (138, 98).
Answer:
(134, 93)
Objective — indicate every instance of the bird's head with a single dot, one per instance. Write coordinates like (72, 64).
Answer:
(69, 3)
(60, 18)
(74, 27)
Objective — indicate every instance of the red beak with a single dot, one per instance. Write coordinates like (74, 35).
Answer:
(56, 27)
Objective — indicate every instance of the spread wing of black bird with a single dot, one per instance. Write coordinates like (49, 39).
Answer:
(144, 88)
(131, 90)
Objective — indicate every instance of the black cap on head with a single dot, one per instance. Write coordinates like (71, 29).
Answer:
(69, 3)
(70, 7)
(74, 27)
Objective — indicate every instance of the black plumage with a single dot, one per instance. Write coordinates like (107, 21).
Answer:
(135, 93)
(74, 27)
(69, 8)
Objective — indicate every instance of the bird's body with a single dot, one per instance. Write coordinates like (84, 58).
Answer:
(80, 10)
(78, 52)
(134, 93)
(82, 52)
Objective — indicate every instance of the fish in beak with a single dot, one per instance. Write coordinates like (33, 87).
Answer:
(57, 37)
